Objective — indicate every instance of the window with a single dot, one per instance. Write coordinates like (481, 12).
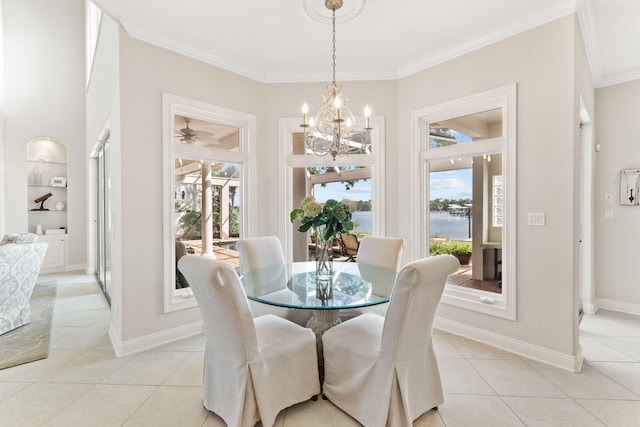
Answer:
(466, 149)
(208, 170)
(357, 178)
(94, 17)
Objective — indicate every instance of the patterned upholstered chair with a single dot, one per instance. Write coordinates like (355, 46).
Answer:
(21, 257)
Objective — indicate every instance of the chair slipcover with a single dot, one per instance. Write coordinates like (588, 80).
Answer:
(261, 252)
(253, 368)
(381, 251)
(385, 252)
(383, 370)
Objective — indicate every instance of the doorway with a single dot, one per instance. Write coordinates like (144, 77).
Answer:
(103, 217)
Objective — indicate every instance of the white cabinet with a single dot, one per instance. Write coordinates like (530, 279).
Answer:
(55, 259)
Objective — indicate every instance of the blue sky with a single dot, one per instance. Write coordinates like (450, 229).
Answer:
(336, 190)
(454, 184)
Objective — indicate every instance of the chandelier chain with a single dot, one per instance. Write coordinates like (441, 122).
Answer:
(334, 45)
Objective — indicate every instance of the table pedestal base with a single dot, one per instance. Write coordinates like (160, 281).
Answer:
(320, 321)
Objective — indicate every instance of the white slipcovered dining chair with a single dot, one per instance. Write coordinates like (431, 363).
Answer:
(385, 252)
(261, 252)
(253, 368)
(383, 370)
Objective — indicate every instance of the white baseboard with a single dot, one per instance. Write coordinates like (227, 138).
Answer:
(126, 348)
(622, 307)
(541, 354)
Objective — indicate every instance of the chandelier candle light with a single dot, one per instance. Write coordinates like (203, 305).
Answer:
(330, 132)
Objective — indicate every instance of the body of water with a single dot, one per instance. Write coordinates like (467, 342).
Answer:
(441, 224)
(363, 220)
(446, 226)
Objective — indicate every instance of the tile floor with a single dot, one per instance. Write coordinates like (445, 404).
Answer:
(82, 383)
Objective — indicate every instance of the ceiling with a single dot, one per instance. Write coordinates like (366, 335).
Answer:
(290, 40)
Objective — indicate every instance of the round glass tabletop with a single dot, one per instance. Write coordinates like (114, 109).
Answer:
(294, 285)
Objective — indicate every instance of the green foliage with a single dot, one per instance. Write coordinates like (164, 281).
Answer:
(439, 247)
(333, 218)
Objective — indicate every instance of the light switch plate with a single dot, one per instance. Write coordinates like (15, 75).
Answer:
(608, 214)
(536, 218)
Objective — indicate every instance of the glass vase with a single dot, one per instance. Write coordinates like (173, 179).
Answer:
(324, 266)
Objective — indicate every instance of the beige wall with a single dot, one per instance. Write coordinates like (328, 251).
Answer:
(146, 72)
(547, 63)
(617, 240)
(541, 62)
(546, 116)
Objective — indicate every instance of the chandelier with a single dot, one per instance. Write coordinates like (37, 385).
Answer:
(330, 131)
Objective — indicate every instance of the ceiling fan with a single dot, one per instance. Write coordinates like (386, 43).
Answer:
(188, 135)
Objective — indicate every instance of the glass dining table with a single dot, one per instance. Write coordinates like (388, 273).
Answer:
(294, 286)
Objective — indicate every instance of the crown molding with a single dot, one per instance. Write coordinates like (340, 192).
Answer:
(590, 39)
(558, 10)
(617, 79)
(173, 45)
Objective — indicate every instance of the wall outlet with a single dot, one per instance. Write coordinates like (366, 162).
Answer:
(608, 214)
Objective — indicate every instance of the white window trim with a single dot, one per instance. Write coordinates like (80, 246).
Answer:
(287, 161)
(179, 299)
(503, 305)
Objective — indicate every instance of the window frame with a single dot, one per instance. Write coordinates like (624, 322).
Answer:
(503, 305)
(287, 161)
(172, 105)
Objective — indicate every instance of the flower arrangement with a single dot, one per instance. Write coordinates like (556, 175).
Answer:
(326, 220)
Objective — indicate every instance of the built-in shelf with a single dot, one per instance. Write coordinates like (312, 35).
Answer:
(47, 175)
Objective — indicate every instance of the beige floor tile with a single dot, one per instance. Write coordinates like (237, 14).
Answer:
(37, 403)
(477, 411)
(171, 406)
(102, 405)
(40, 370)
(543, 412)
(475, 350)
(595, 350)
(627, 374)
(588, 384)
(95, 318)
(459, 377)
(90, 367)
(319, 413)
(515, 378)
(626, 345)
(193, 343)
(82, 339)
(189, 373)
(618, 413)
(151, 368)
(443, 347)
(8, 388)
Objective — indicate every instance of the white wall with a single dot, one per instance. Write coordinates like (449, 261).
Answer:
(618, 239)
(44, 96)
(103, 110)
